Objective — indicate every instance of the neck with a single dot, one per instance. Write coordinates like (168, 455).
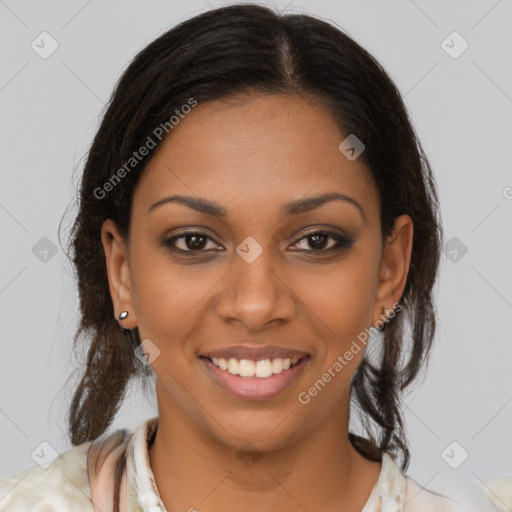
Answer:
(321, 471)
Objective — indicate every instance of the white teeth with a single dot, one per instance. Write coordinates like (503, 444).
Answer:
(277, 366)
(264, 369)
(248, 368)
(233, 366)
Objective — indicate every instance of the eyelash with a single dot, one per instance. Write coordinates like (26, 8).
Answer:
(341, 241)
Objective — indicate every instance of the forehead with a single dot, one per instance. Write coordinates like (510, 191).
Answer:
(267, 146)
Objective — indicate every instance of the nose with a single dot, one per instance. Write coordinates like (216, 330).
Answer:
(256, 294)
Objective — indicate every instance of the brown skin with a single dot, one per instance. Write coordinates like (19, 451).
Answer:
(252, 156)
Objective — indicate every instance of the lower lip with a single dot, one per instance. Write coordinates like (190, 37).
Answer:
(255, 388)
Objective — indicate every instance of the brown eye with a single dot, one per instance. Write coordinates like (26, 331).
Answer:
(319, 241)
(190, 241)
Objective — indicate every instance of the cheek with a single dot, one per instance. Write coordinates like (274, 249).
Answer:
(339, 306)
(343, 297)
(167, 297)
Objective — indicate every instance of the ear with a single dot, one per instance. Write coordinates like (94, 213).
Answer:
(119, 274)
(394, 268)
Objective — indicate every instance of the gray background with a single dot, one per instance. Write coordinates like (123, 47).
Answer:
(461, 108)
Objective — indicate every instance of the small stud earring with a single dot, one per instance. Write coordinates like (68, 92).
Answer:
(388, 312)
(123, 315)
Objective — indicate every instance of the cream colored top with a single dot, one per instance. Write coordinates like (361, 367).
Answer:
(82, 479)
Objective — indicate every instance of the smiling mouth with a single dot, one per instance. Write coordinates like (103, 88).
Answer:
(262, 369)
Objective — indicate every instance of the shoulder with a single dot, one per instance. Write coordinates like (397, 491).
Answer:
(450, 495)
(63, 485)
(50, 489)
(395, 491)
(499, 492)
(420, 499)
(454, 496)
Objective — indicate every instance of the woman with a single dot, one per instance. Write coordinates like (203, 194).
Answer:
(258, 228)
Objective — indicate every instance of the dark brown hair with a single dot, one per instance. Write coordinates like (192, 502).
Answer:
(245, 49)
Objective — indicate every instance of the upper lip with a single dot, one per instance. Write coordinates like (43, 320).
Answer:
(256, 353)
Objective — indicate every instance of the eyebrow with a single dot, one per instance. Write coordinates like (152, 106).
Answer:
(288, 209)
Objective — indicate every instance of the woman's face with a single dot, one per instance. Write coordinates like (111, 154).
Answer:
(274, 264)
